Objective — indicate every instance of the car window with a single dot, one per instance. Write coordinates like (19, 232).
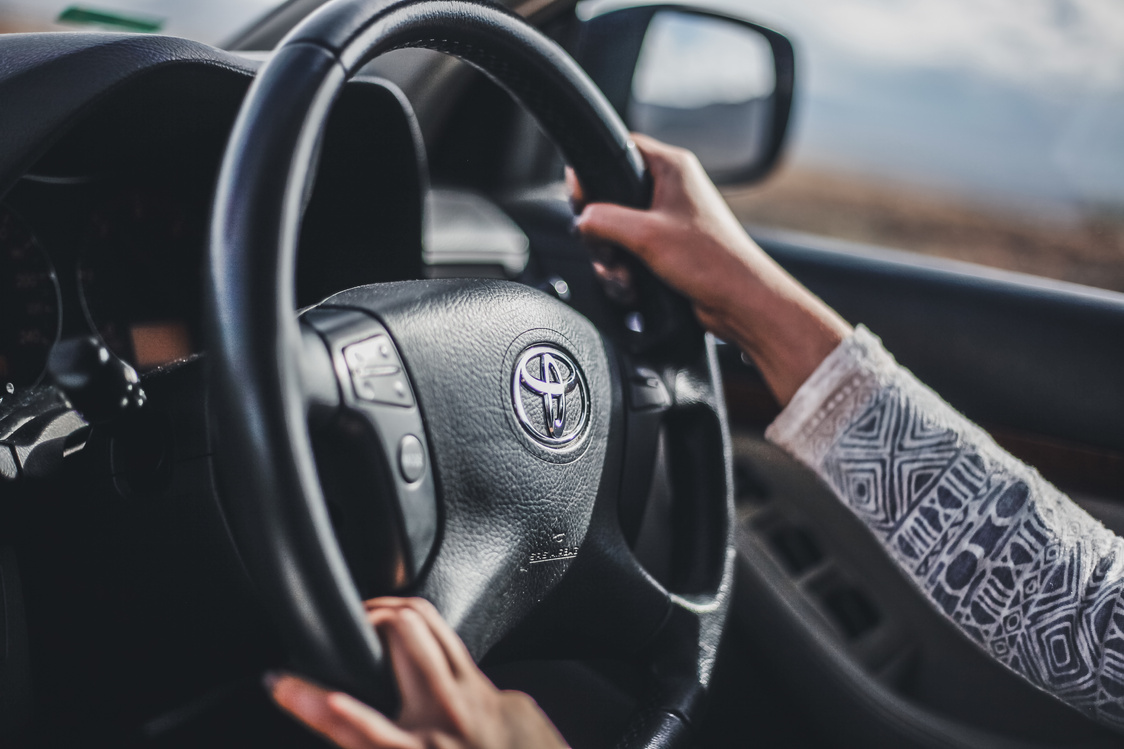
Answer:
(209, 21)
(982, 130)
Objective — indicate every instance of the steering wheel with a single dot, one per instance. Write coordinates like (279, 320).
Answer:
(508, 442)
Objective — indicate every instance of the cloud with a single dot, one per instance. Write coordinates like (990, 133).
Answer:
(1037, 43)
(1046, 44)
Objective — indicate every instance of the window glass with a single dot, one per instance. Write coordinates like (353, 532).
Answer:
(209, 21)
(982, 130)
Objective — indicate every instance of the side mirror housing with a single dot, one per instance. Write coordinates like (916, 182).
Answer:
(718, 85)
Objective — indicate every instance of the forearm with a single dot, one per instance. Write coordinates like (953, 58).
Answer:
(783, 327)
(1010, 560)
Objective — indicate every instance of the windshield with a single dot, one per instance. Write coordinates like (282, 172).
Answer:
(208, 21)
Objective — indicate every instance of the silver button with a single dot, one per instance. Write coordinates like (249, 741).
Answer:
(376, 372)
(411, 458)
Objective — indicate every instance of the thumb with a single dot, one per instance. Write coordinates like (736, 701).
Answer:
(608, 222)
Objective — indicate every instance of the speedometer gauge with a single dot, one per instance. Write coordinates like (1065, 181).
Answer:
(29, 303)
(140, 276)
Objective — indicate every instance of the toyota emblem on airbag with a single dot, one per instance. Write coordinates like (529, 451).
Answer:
(550, 396)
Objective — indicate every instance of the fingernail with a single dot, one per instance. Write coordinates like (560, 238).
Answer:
(269, 680)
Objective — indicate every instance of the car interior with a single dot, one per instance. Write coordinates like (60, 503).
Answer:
(202, 251)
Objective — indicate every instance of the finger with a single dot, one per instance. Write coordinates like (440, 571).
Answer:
(312, 705)
(368, 722)
(628, 227)
(420, 665)
(372, 725)
(651, 148)
(460, 660)
(574, 187)
(384, 602)
(667, 164)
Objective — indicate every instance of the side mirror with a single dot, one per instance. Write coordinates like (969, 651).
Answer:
(718, 85)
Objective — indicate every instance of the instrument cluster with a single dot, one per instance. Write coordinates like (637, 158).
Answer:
(120, 259)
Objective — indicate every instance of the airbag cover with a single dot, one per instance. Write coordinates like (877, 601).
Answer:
(516, 510)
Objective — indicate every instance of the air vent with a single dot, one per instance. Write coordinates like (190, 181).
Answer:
(748, 487)
(851, 610)
(796, 548)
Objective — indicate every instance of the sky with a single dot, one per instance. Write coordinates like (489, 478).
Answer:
(1015, 101)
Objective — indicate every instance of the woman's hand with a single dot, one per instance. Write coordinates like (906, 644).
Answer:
(447, 701)
(691, 239)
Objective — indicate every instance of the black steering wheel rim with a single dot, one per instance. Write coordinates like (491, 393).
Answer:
(259, 399)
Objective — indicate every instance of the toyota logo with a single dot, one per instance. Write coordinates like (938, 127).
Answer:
(550, 395)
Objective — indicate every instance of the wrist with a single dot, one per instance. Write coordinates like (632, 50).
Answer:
(785, 329)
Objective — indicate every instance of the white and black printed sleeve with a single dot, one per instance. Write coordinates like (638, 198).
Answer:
(1013, 562)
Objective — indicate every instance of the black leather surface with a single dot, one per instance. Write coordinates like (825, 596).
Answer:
(263, 452)
(505, 498)
(656, 728)
(77, 70)
(570, 109)
(259, 407)
(506, 501)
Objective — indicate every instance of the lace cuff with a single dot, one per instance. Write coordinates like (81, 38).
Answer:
(838, 391)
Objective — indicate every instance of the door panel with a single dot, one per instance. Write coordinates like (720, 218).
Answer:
(1037, 363)
(1043, 357)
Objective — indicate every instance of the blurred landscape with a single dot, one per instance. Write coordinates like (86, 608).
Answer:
(1086, 249)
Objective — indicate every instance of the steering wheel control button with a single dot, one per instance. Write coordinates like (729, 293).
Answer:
(411, 459)
(376, 372)
(550, 396)
(647, 391)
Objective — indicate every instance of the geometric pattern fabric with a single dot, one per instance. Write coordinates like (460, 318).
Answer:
(1012, 562)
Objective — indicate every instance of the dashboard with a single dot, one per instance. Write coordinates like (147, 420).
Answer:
(104, 232)
(120, 258)
(123, 259)
(112, 146)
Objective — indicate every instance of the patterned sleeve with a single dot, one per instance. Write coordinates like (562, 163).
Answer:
(1014, 563)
